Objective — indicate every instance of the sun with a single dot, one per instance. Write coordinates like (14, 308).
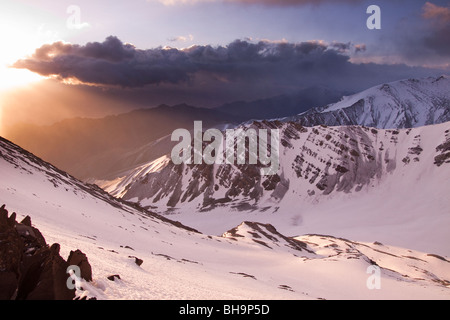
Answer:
(11, 78)
(11, 52)
(19, 38)
(20, 35)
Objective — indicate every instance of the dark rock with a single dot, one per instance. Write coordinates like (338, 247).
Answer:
(11, 249)
(437, 256)
(415, 150)
(8, 285)
(138, 261)
(341, 169)
(441, 159)
(29, 268)
(354, 153)
(271, 182)
(26, 221)
(78, 258)
(113, 277)
(127, 247)
(50, 275)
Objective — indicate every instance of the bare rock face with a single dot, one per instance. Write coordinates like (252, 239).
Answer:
(78, 258)
(138, 261)
(44, 276)
(11, 249)
(444, 151)
(29, 268)
(317, 163)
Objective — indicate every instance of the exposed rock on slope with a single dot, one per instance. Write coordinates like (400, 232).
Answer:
(266, 235)
(29, 268)
(314, 162)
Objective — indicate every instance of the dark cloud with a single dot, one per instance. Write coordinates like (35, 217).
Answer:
(109, 63)
(115, 63)
(360, 48)
(207, 75)
(438, 37)
(423, 38)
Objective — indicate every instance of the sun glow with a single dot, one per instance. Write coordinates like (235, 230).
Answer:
(12, 78)
(22, 31)
(19, 40)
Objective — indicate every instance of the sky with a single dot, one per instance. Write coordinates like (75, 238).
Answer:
(90, 58)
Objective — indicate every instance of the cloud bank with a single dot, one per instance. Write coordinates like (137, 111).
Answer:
(240, 70)
(423, 38)
(438, 36)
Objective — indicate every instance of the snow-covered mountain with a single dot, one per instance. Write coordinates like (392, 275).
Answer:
(400, 175)
(251, 261)
(402, 104)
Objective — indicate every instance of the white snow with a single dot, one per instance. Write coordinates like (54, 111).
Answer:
(181, 264)
(387, 105)
(407, 206)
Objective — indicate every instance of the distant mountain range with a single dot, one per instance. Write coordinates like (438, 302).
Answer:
(104, 148)
(402, 104)
(319, 165)
(98, 148)
(315, 164)
(282, 105)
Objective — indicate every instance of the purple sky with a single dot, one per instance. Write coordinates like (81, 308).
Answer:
(223, 50)
(181, 23)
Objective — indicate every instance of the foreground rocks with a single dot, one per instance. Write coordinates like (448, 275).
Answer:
(30, 269)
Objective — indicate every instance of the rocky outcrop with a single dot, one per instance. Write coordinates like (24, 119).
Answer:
(79, 259)
(444, 151)
(137, 260)
(30, 269)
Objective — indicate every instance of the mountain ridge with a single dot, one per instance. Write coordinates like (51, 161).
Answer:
(401, 104)
(322, 169)
(331, 159)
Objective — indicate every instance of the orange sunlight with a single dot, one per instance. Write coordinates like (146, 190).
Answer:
(12, 78)
(18, 39)
(17, 44)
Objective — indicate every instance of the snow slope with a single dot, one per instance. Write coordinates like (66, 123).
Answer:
(402, 104)
(251, 261)
(337, 180)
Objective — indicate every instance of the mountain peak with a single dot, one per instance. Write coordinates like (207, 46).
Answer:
(406, 103)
